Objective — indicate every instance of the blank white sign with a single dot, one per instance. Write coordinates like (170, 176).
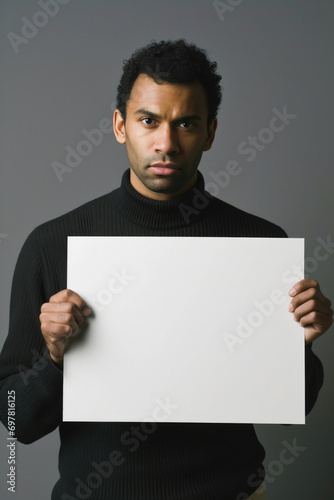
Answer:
(185, 329)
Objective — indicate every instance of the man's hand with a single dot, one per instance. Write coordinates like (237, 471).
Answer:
(311, 309)
(61, 318)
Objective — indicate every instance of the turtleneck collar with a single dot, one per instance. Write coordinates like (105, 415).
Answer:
(156, 214)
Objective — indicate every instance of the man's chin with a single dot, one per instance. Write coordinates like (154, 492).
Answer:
(171, 184)
(166, 186)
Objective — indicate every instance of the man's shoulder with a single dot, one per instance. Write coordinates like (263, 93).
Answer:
(86, 219)
(244, 222)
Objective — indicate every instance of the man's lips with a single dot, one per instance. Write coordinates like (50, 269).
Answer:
(164, 168)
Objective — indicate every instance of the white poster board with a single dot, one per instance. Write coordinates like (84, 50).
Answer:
(185, 329)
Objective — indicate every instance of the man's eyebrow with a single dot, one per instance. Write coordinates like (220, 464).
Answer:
(184, 118)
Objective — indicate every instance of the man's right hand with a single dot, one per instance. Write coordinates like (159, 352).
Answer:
(61, 318)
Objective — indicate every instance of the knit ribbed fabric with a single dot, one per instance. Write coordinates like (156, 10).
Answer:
(127, 461)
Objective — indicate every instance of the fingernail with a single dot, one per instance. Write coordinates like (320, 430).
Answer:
(292, 291)
(290, 307)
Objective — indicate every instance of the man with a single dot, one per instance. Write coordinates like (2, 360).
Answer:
(167, 103)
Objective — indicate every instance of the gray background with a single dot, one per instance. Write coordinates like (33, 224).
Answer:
(271, 54)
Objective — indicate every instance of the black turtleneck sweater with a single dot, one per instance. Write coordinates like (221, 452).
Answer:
(127, 461)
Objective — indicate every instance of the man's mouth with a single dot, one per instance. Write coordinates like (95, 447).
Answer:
(164, 168)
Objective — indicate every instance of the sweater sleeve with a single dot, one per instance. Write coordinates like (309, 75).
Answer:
(314, 377)
(25, 363)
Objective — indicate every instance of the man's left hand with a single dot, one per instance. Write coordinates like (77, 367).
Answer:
(311, 309)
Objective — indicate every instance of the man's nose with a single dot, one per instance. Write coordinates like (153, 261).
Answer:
(166, 140)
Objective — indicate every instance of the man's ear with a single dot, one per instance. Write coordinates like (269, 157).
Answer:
(211, 134)
(119, 126)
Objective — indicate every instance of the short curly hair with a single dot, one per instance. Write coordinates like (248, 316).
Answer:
(171, 62)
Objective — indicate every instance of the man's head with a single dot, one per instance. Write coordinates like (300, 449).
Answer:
(171, 62)
(167, 104)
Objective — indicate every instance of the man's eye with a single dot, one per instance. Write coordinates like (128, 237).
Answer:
(186, 124)
(148, 121)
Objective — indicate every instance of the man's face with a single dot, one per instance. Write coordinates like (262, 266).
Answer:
(165, 134)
